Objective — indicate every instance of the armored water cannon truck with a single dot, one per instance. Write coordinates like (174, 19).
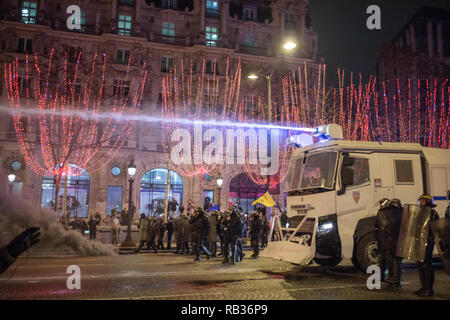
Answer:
(334, 187)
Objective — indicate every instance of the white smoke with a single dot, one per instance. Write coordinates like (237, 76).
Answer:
(16, 215)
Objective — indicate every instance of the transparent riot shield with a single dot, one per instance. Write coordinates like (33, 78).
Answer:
(441, 234)
(414, 230)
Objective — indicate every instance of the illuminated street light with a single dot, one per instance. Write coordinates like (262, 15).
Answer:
(128, 243)
(11, 177)
(252, 76)
(289, 45)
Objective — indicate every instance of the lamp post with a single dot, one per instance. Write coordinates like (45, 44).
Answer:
(128, 243)
(11, 178)
(219, 182)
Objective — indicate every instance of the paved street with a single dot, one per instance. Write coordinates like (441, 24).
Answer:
(169, 276)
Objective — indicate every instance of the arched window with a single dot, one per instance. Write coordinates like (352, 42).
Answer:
(153, 190)
(77, 192)
(244, 191)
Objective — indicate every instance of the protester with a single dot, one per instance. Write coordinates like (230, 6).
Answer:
(169, 228)
(115, 228)
(92, 224)
(212, 234)
(20, 244)
(143, 227)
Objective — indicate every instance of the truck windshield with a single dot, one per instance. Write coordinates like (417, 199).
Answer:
(316, 171)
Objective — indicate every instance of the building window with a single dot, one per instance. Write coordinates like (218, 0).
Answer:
(29, 11)
(169, 4)
(249, 14)
(126, 2)
(404, 172)
(166, 64)
(289, 21)
(211, 67)
(121, 87)
(124, 25)
(25, 45)
(250, 40)
(114, 200)
(168, 31)
(77, 192)
(212, 9)
(211, 36)
(123, 56)
(153, 191)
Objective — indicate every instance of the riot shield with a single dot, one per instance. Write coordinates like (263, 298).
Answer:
(441, 234)
(414, 230)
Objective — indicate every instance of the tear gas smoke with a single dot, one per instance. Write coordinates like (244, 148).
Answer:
(16, 215)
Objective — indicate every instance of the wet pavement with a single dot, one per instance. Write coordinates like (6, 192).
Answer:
(168, 276)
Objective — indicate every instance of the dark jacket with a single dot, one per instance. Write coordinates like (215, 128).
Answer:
(213, 222)
(255, 227)
(201, 225)
(233, 226)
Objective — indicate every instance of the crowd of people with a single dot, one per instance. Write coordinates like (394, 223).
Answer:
(199, 231)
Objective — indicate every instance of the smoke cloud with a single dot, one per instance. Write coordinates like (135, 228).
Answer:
(16, 215)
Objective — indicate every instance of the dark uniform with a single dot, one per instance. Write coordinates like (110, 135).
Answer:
(184, 237)
(240, 246)
(169, 228)
(159, 229)
(232, 228)
(387, 227)
(151, 235)
(426, 272)
(220, 231)
(255, 233)
(265, 231)
(92, 223)
(178, 230)
(201, 229)
(212, 235)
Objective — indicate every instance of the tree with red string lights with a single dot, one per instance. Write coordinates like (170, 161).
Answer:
(204, 95)
(65, 103)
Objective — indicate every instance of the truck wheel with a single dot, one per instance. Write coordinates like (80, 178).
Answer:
(366, 252)
(328, 262)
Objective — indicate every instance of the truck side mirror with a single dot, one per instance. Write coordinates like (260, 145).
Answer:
(346, 179)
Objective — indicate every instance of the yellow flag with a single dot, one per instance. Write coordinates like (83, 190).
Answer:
(265, 200)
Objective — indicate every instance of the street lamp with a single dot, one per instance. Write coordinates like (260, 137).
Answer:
(11, 178)
(219, 181)
(289, 45)
(128, 243)
(253, 76)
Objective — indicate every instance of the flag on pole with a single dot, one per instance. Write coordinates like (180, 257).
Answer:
(265, 200)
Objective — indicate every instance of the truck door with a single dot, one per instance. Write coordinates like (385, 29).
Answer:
(353, 204)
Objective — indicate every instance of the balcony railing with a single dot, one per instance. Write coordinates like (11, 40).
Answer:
(254, 50)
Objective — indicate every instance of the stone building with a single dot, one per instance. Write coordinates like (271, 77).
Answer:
(421, 50)
(158, 33)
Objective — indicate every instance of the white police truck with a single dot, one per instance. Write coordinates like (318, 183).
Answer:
(333, 191)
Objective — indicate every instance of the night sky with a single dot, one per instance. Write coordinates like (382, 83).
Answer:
(344, 40)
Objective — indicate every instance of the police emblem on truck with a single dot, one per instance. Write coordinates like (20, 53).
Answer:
(356, 196)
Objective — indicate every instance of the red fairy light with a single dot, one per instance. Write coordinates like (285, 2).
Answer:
(70, 125)
(197, 97)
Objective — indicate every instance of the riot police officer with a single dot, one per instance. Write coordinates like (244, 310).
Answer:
(200, 228)
(232, 226)
(387, 228)
(425, 268)
(255, 232)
